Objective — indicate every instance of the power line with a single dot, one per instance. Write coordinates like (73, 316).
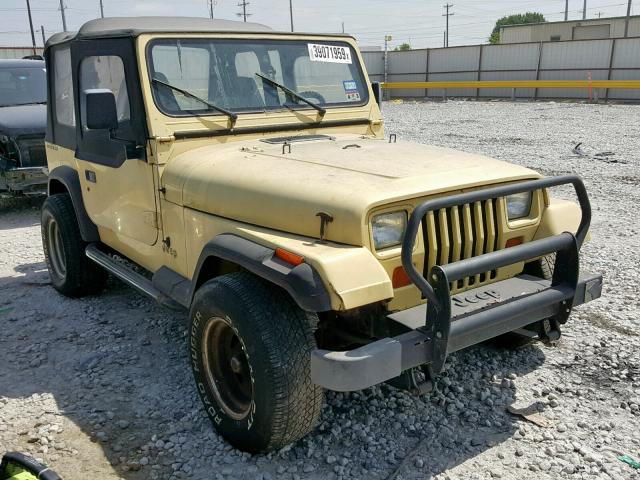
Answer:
(446, 32)
(244, 4)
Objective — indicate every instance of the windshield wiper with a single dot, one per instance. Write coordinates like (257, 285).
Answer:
(187, 93)
(292, 93)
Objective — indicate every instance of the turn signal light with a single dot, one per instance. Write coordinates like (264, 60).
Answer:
(400, 278)
(289, 257)
(512, 242)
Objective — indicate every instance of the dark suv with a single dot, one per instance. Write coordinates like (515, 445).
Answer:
(23, 120)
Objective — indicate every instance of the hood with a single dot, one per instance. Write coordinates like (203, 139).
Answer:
(255, 182)
(23, 120)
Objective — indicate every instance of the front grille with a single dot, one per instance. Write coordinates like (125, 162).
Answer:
(461, 232)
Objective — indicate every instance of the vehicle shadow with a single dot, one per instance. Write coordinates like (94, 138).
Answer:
(112, 371)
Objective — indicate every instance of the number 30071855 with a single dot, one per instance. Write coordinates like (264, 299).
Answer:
(329, 53)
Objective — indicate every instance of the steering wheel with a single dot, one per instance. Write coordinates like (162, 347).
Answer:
(311, 95)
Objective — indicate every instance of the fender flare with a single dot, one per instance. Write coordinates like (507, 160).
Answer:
(69, 178)
(302, 282)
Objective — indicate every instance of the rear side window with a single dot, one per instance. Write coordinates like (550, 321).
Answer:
(63, 88)
(106, 72)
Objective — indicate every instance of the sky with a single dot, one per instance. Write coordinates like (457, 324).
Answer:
(418, 22)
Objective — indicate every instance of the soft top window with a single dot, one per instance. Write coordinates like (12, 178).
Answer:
(227, 74)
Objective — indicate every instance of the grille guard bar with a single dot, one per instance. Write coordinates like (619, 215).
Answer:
(424, 208)
(436, 289)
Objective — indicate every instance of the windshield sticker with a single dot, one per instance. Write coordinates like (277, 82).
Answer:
(351, 90)
(329, 53)
(350, 86)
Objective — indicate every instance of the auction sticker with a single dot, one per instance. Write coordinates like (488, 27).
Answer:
(329, 53)
(351, 90)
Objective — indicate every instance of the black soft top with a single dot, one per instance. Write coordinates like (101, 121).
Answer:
(134, 26)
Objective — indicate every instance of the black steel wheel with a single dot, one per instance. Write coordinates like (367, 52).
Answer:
(250, 351)
(227, 368)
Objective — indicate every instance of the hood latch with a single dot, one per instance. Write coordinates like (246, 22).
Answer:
(325, 219)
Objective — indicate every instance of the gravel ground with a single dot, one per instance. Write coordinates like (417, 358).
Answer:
(100, 387)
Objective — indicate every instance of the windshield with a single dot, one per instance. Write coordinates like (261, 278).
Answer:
(21, 86)
(234, 75)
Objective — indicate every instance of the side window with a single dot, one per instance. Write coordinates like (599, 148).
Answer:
(63, 87)
(106, 72)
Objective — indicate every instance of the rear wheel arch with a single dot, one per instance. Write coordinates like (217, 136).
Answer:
(56, 186)
(64, 179)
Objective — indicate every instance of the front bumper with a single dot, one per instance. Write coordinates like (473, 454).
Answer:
(446, 324)
(474, 320)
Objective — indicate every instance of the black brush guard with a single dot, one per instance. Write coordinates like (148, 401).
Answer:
(440, 327)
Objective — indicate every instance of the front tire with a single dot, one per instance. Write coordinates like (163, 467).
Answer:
(71, 272)
(250, 349)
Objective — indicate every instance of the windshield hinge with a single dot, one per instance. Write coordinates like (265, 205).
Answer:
(166, 139)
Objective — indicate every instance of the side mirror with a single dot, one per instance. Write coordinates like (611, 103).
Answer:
(100, 112)
(377, 92)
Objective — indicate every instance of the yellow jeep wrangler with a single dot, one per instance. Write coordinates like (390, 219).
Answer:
(246, 173)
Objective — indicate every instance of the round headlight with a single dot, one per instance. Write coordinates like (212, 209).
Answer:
(388, 229)
(518, 205)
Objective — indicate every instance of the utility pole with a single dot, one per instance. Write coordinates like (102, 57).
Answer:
(446, 34)
(584, 10)
(101, 9)
(210, 4)
(387, 39)
(244, 13)
(342, 27)
(42, 31)
(33, 36)
(64, 19)
(566, 10)
(626, 22)
(291, 13)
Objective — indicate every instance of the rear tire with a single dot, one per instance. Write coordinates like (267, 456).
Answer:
(250, 349)
(71, 272)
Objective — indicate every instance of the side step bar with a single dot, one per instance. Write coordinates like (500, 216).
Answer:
(129, 276)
